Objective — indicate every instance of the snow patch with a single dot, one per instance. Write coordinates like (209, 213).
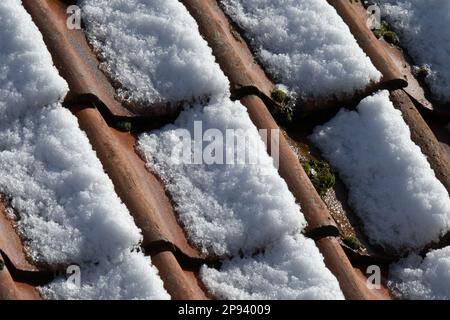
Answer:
(153, 49)
(423, 27)
(28, 78)
(290, 269)
(391, 185)
(423, 279)
(305, 44)
(130, 277)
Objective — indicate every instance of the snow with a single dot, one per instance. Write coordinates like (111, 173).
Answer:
(154, 50)
(112, 281)
(423, 279)
(305, 45)
(423, 30)
(391, 185)
(290, 269)
(229, 207)
(27, 80)
(65, 205)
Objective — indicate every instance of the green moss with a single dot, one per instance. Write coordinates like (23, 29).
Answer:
(235, 34)
(279, 96)
(352, 242)
(392, 38)
(124, 126)
(387, 34)
(286, 106)
(378, 33)
(320, 174)
(288, 114)
(422, 72)
(384, 27)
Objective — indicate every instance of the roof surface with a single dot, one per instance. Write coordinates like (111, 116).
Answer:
(331, 218)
